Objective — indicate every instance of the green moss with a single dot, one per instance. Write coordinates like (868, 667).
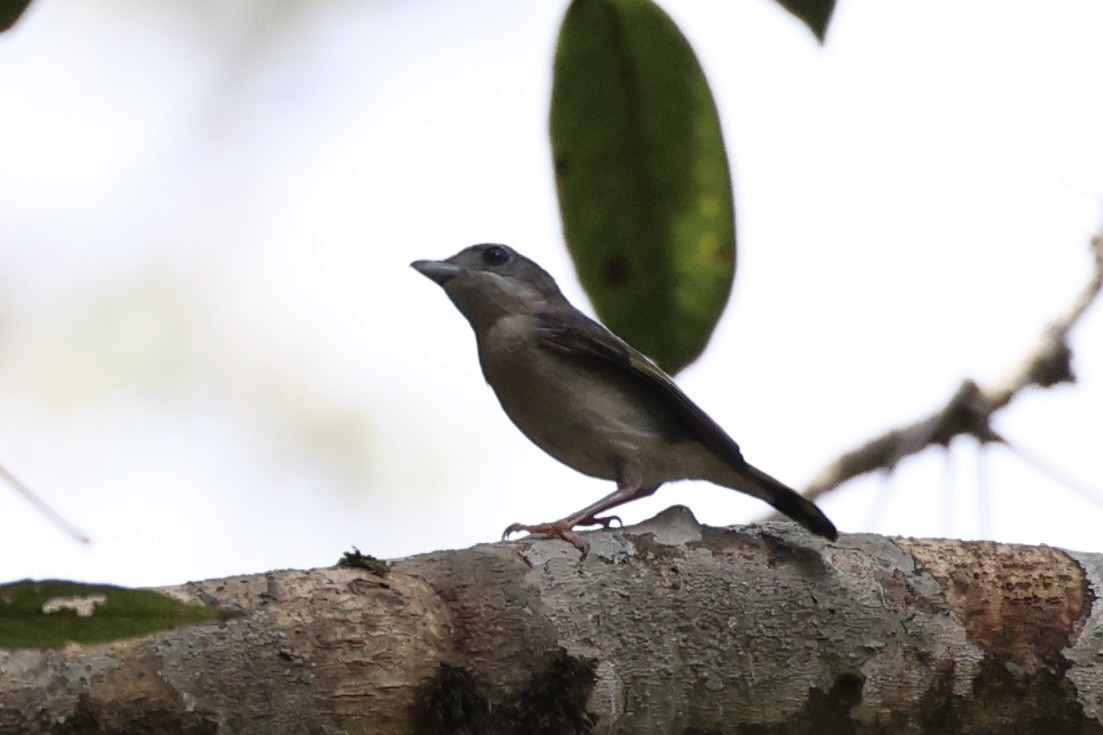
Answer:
(355, 560)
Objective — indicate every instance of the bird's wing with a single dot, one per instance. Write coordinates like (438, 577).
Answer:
(585, 339)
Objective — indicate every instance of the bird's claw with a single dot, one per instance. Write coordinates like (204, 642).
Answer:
(512, 529)
(605, 521)
(557, 529)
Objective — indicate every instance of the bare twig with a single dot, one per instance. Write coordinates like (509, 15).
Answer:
(46, 510)
(880, 503)
(970, 410)
(1075, 484)
(984, 493)
(946, 514)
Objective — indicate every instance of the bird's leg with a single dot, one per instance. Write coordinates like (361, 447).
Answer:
(606, 521)
(564, 527)
(628, 488)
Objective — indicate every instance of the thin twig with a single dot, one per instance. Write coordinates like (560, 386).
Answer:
(947, 511)
(1075, 484)
(877, 508)
(970, 410)
(984, 492)
(46, 510)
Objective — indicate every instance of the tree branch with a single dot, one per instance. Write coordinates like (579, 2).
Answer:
(665, 627)
(970, 410)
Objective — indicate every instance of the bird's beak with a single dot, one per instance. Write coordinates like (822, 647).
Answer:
(438, 270)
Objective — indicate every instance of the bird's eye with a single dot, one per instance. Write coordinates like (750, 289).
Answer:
(495, 255)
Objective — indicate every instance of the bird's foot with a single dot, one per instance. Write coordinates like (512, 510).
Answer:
(557, 529)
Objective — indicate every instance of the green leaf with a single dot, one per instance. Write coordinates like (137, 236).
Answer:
(10, 10)
(644, 189)
(52, 613)
(815, 14)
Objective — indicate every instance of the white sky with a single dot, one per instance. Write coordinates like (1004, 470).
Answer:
(217, 361)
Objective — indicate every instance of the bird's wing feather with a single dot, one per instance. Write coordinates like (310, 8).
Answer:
(588, 340)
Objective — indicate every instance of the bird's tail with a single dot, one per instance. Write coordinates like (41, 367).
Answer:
(787, 501)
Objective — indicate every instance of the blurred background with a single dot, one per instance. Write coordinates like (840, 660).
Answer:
(217, 361)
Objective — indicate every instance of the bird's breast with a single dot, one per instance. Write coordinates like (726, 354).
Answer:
(572, 412)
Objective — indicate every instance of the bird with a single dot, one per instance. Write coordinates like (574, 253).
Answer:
(589, 399)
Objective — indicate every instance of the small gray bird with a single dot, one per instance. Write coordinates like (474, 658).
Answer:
(589, 399)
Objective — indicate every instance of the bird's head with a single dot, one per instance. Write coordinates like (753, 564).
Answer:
(489, 281)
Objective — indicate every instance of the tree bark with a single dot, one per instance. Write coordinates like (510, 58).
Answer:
(664, 627)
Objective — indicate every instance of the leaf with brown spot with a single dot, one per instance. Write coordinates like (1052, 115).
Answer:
(644, 189)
